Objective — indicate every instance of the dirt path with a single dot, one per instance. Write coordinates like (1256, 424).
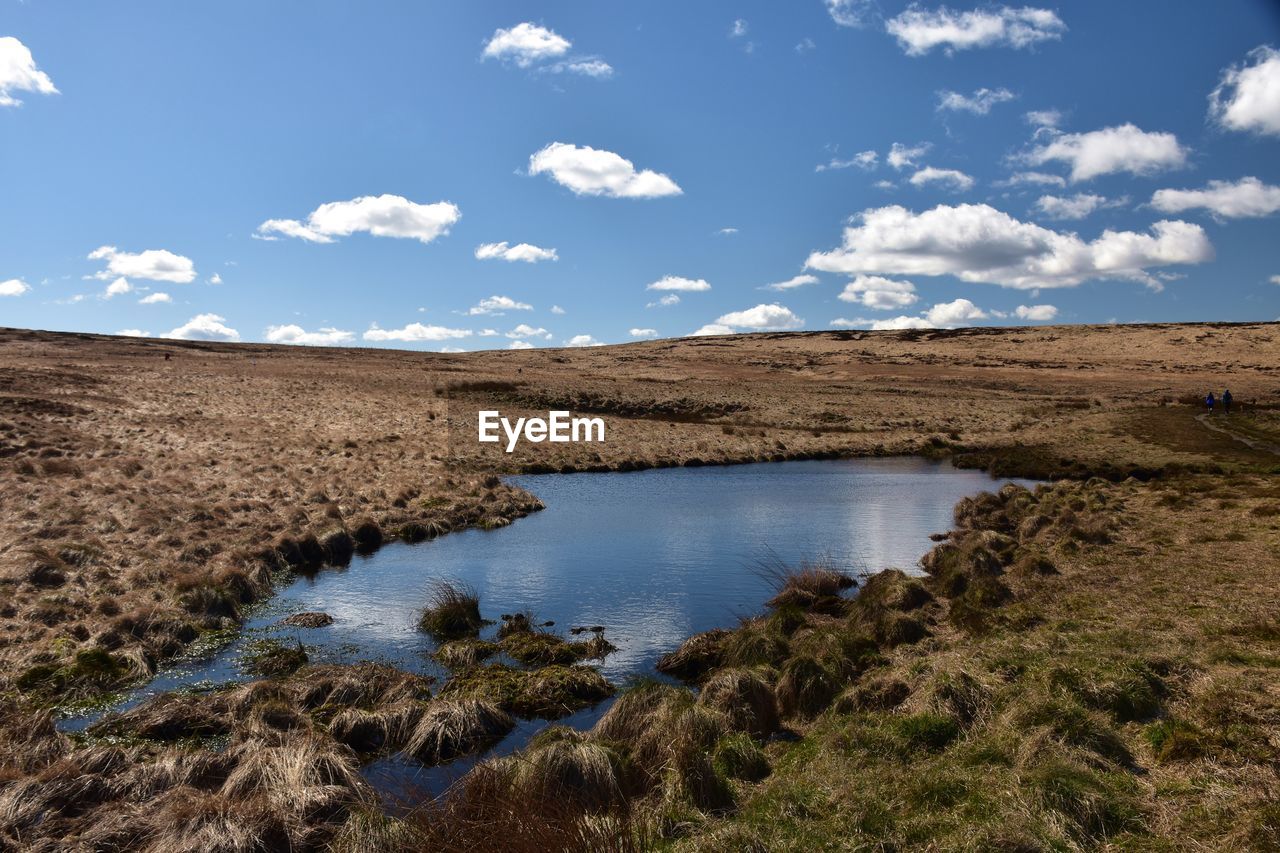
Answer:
(1253, 443)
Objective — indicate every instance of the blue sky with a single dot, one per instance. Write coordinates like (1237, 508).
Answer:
(329, 172)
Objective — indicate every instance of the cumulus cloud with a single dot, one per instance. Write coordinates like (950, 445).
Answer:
(18, 73)
(215, 279)
(497, 305)
(1125, 148)
(525, 44)
(415, 332)
(643, 333)
(954, 313)
(1247, 197)
(155, 298)
(1043, 119)
(590, 171)
(899, 323)
(762, 318)
(382, 216)
(524, 330)
(13, 287)
(1275, 279)
(851, 13)
(133, 333)
(901, 156)
(153, 264)
(977, 243)
(920, 30)
(952, 178)
(979, 103)
(556, 309)
(1248, 96)
(119, 287)
(1077, 206)
(675, 282)
(1036, 313)
(323, 337)
(520, 345)
(739, 29)
(526, 252)
(666, 301)
(205, 327)
(866, 160)
(727, 232)
(583, 341)
(878, 292)
(792, 283)
(1022, 179)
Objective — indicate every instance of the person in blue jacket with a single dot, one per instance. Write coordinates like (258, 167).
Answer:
(1208, 403)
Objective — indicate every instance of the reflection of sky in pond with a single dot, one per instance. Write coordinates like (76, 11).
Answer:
(654, 556)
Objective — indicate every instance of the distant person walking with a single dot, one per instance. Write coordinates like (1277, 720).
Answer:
(1208, 403)
(1226, 402)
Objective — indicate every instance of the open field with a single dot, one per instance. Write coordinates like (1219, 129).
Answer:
(146, 500)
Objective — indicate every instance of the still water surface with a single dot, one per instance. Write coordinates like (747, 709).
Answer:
(654, 556)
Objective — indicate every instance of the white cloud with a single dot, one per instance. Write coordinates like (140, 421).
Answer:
(805, 45)
(1077, 206)
(583, 341)
(488, 333)
(727, 232)
(762, 318)
(133, 333)
(1036, 313)
(1275, 279)
(884, 185)
(414, 332)
(1248, 97)
(13, 287)
(851, 13)
(977, 243)
(643, 333)
(739, 29)
(954, 313)
(381, 216)
(526, 252)
(525, 44)
(520, 345)
(524, 330)
(792, 283)
(901, 156)
(666, 301)
(497, 305)
(324, 337)
(119, 287)
(587, 66)
(979, 103)
(205, 327)
(153, 264)
(1043, 119)
(919, 30)
(675, 282)
(1125, 148)
(953, 178)
(215, 279)
(589, 171)
(881, 293)
(713, 329)
(18, 73)
(899, 323)
(1247, 197)
(1033, 179)
(155, 298)
(863, 160)
(556, 309)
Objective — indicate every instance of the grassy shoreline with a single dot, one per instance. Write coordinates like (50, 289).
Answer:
(276, 762)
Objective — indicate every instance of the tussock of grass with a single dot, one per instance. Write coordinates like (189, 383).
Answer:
(745, 698)
(697, 656)
(452, 727)
(550, 692)
(452, 611)
(272, 658)
(810, 586)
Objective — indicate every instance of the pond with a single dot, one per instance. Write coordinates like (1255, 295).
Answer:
(654, 556)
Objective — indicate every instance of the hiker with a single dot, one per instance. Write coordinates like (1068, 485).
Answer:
(1208, 403)
(1226, 402)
